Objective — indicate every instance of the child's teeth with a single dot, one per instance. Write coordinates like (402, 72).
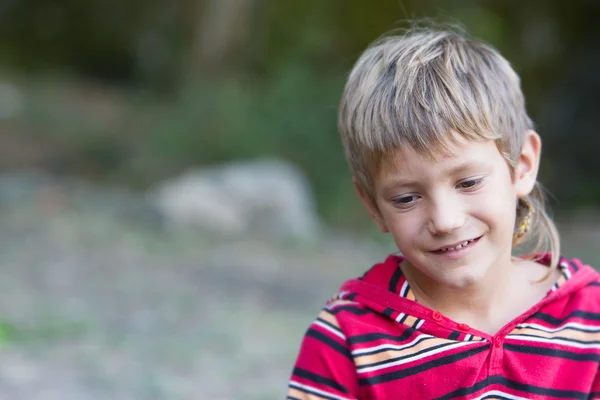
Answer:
(460, 246)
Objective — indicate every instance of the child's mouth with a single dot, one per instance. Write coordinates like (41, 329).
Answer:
(457, 247)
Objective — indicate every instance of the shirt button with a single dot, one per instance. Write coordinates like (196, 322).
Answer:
(436, 316)
(498, 342)
(464, 327)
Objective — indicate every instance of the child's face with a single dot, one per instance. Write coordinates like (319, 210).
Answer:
(464, 200)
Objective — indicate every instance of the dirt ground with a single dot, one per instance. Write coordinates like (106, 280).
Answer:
(98, 303)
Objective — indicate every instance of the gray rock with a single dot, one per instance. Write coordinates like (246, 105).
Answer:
(260, 197)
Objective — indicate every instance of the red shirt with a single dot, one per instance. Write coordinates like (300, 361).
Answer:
(374, 341)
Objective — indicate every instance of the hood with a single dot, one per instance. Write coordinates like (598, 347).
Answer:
(384, 289)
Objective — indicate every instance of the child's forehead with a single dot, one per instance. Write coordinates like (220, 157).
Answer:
(456, 151)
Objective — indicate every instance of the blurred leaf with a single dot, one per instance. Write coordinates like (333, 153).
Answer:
(8, 332)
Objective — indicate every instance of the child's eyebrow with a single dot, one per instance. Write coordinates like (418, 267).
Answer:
(397, 183)
(451, 171)
(466, 166)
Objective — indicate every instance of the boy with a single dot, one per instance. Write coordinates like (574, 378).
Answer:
(444, 158)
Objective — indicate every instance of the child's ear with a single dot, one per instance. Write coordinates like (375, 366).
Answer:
(528, 163)
(371, 208)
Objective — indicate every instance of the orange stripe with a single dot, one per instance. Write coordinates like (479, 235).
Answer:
(299, 394)
(565, 333)
(327, 316)
(410, 321)
(424, 344)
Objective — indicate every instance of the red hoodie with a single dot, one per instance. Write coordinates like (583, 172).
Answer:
(374, 341)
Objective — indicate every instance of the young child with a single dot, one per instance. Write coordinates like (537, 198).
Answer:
(444, 158)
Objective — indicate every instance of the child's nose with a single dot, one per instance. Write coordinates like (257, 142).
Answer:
(445, 217)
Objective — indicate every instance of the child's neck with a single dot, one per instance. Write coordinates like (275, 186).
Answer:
(505, 293)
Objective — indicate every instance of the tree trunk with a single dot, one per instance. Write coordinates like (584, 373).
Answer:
(223, 28)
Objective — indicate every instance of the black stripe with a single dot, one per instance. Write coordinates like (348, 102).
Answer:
(371, 337)
(593, 395)
(406, 289)
(549, 352)
(388, 312)
(329, 324)
(548, 318)
(313, 392)
(351, 296)
(393, 285)
(391, 376)
(575, 267)
(389, 360)
(555, 337)
(384, 349)
(523, 387)
(556, 321)
(321, 337)
(593, 284)
(544, 391)
(586, 315)
(351, 309)
(292, 398)
(465, 391)
(316, 378)
(401, 320)
(454, 335)
(417, 322)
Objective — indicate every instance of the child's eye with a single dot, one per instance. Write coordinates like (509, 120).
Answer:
(470, 183)
(404, 200)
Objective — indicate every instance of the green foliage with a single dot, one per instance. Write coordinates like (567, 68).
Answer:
(42, 331)
(292, 115)
(8, 332)
(276, 94)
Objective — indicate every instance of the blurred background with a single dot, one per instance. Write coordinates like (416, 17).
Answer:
(175, 206)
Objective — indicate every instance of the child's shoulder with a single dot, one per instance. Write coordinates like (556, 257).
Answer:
(576, 267)
(582, 283)
(350, 299)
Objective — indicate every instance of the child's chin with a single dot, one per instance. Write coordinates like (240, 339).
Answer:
(463, 279)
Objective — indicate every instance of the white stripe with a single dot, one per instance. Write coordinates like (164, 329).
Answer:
(468, 337)
(555, 341)
(358, 352)
(310, 389)
(501, 394)
(342, 303)
(400, 316)
(420, 324)
(330, 329)
(406, 360)
(403, 289)
(574, 325)
(567, 273)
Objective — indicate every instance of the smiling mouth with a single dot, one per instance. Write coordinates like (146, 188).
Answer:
(459, 246)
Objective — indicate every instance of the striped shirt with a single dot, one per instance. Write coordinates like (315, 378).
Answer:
(374, 341)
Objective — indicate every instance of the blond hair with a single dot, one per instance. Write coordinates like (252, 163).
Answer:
(416, 88)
